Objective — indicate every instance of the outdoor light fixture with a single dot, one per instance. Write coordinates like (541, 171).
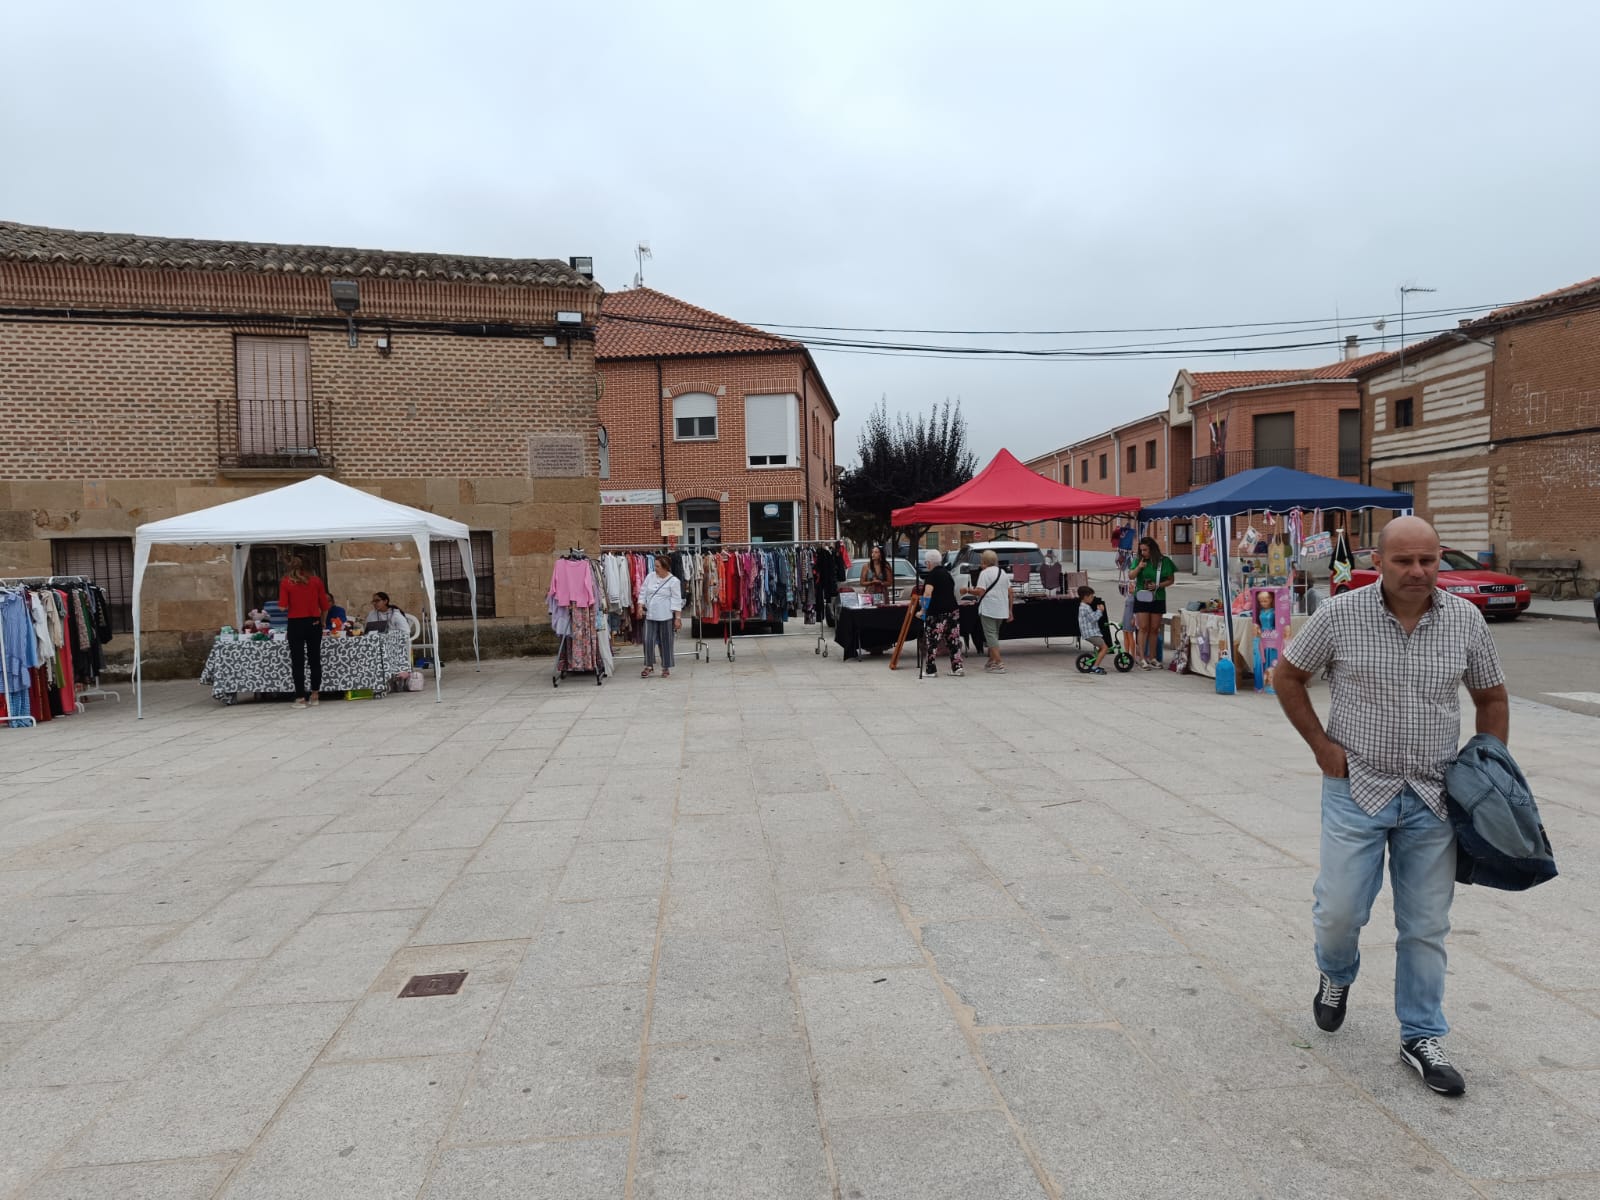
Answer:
(583, 265)
(346, 295)
(569, 318)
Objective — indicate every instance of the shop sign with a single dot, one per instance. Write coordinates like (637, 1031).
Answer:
(635, 496)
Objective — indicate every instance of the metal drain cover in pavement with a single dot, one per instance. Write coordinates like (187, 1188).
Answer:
(433, 985)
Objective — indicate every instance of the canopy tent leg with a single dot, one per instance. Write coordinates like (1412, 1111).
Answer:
(472, 592)
(433, 608)
(241, 560)
(141, 560)
(1226, 531)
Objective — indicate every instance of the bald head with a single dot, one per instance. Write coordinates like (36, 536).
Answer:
(1408, 563)
(1407, 530)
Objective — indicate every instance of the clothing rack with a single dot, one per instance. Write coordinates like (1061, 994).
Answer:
(655, 548)
(558, 673)
(94, 691)
(738, 547)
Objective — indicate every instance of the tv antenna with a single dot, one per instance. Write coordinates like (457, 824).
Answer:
(1407, 289)
(641, 255)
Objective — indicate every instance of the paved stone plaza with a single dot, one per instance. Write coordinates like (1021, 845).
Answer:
(785, 927)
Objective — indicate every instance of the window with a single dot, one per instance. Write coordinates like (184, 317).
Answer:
(702, 522)
(272, 377)
(1083, 471)
(769, 431)
(694, 417)
(1274, 437)
(772, 521)
(1349, 441)
(816, 515)
(1407, 486)
(1102, 466)
(1133, 459)
(108, 562)
(269, 564)
(1180, 533)
(1403, 413)
(931, 541)
(1150, 455)
(450, 577)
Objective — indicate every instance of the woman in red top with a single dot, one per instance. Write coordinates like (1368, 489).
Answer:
(305, 602)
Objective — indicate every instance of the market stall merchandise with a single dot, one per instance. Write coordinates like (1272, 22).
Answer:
(1268, 490)
(349, 664)
(315, 511)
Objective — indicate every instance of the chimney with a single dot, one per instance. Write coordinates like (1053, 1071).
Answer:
(1352, 347)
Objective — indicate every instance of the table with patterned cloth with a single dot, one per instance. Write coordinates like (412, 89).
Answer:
(348, 664)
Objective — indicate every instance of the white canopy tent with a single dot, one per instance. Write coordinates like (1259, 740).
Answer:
(315, 511)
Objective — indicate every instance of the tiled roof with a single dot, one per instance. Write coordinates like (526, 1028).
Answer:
(1527, 307)
(39, 244)
(1207, 383)
(1210, 383)
(645, 323)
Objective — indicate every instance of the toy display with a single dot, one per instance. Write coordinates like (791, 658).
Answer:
(1271, 609)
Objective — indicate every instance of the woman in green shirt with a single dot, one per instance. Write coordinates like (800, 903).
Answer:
(1152, 572)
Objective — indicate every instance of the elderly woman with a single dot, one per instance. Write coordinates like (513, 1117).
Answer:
(942, 622)
(993, 591)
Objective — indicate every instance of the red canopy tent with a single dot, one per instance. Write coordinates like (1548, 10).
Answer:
(1008, 493)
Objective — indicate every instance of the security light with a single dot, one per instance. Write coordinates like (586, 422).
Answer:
(583, 265)
(346, 295)
(569, 318)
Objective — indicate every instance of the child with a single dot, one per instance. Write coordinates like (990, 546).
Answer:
(1090, 614)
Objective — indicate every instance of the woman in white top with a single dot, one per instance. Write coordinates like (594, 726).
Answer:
(994, 605)
(385, 616)
(660, 602)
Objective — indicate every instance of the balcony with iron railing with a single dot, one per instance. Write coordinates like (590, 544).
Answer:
(270, 434)
(1213, 467)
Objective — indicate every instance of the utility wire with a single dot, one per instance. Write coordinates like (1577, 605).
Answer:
(1322, 322)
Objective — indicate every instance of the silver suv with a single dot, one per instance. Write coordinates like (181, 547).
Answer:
(968, 564)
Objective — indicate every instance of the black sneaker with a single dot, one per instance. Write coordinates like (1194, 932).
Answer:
(929, 668)
(1428, 1057)
(1328, 1005)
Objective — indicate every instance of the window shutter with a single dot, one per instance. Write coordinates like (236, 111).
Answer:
(767, 432)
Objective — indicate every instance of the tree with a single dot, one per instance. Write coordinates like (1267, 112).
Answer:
(903, 462)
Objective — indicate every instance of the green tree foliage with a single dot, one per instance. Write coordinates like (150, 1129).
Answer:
(903, 461)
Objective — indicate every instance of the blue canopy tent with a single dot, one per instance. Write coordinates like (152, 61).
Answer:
(1268, 489)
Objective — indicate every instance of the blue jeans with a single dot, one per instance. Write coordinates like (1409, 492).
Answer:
(1422, 873)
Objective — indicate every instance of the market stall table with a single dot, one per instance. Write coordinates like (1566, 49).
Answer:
(348, 664)
(863, 629)
(1032, 617)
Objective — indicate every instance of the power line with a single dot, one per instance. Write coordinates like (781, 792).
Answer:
(1161, 350)
(1321, 322)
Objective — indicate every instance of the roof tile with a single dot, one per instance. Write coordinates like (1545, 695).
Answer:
(645, 323)
(40, 244)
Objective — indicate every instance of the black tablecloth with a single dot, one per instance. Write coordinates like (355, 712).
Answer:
(1038, 618)
(863, 629)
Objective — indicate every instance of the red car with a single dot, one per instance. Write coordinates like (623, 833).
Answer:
(1498, 597)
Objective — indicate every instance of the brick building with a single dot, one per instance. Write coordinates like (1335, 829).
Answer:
(1131, 460)
(1495, 429)
(144, 377)
(1216, 424)
(731, 427)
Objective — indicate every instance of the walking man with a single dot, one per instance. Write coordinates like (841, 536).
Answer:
(1396, 655)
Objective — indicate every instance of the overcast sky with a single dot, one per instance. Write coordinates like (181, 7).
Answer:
(1024, 166)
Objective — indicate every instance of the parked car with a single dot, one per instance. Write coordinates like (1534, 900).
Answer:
(1597, 608)
(1498, 596)
(968, 564)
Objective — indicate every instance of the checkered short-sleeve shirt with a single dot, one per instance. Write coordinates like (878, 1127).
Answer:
(1396, 698)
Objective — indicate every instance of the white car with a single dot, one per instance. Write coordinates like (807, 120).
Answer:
(968, 564)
